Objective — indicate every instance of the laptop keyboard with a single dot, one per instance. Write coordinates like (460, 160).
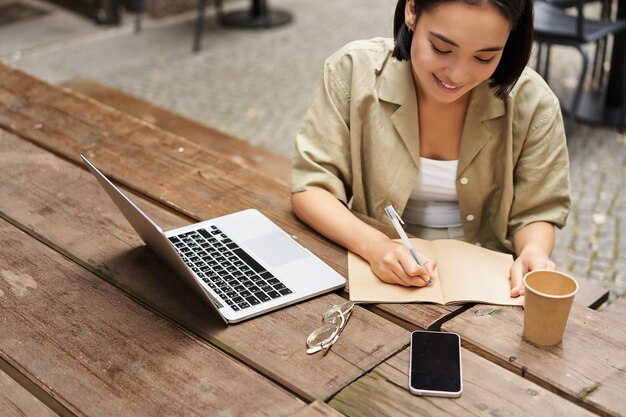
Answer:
(227, 269)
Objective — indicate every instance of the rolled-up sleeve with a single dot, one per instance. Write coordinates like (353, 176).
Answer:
(541, 173)
(321, 156)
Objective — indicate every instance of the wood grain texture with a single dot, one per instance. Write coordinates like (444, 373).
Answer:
(489, 390)
(616, 310)
(99, 353)
(588, 367)
(590, 293)
(318, 409)
(269, 164)
(417, 316)
(15, 401)
(64, 206)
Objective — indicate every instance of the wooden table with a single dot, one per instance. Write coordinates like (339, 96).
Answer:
(91, 324)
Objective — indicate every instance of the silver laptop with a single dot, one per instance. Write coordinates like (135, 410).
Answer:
(242, 264)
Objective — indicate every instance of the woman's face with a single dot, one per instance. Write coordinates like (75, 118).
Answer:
(455, 47)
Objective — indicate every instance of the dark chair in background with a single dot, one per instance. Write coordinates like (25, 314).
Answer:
(598, 70)
(553, 26)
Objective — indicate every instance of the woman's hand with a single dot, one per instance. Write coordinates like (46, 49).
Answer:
(393, 263)
(533, 244)
(526, 262)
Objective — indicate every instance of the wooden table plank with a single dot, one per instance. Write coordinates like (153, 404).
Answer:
(98, 353)
(318, 409)
(15, 401)
(590, 292)
(64, 206)
(616, 310)
(417, 316)
(269, 164)
(489, 390)
(588, 367)
(69, 124)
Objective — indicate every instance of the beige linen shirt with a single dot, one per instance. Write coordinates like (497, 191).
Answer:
(360, 141)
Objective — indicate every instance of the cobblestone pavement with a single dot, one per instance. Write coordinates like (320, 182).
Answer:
(257, 85)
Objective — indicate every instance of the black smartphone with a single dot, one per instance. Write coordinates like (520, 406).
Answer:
(435, 364)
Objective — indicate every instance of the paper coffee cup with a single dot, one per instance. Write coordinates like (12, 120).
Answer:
(547, 303)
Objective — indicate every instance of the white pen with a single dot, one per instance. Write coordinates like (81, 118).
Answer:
(396, 220)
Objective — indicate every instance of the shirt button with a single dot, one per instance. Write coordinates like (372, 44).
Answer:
(464, 180)
(469, 217)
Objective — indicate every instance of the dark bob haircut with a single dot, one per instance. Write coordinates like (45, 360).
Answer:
(516, 51)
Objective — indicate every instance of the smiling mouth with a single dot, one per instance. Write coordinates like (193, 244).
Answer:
(445, 85)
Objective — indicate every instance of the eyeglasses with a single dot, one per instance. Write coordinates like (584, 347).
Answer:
(335, 320)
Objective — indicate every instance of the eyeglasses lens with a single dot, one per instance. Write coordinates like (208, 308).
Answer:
(322, 335)
(335, 318)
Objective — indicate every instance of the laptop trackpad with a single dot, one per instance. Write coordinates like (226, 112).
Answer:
(276, 249)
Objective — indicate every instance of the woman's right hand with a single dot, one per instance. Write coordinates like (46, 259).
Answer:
(393, 263)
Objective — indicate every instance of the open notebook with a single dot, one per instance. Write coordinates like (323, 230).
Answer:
(465, 273)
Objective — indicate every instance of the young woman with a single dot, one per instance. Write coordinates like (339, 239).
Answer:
(446, 123)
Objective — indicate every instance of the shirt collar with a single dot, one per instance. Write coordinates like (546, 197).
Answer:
(396, 81)
(483, 107)
(397, 86)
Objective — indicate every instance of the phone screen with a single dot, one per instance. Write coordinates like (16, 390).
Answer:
(435, 363)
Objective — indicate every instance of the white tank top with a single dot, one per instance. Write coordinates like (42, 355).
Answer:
(434, 201)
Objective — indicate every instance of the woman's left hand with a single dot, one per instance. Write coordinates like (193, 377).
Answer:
(526, 262)
(533, 244)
